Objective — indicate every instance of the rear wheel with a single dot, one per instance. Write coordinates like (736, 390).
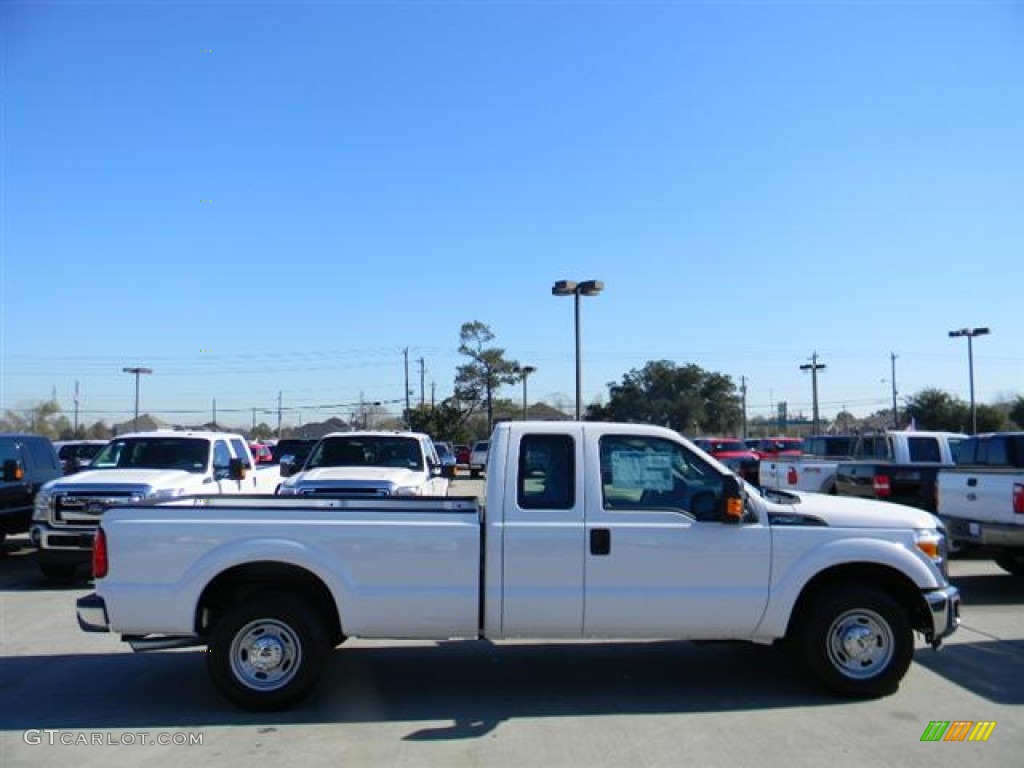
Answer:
(858, 641)
(1011, 563)
(266, 654)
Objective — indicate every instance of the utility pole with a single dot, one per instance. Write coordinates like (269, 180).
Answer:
(895, 413)
(279, 393)
(254, 420)
(423, 369)
(814, 366)
(215, 413)
(743, 392)
(433, 395)
(76, 409)
(405, 416)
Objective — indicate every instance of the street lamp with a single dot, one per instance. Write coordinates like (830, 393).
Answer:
(137, 372)
(526, 370)
(570, 288)
(970, 333)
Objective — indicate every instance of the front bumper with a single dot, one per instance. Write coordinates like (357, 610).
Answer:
(92, 613)
(69, 544)
(944, 609)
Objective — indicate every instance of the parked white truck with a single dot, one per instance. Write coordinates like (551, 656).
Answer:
(369, 464)
(896, 465)
(133, 468)
(981, 499)
(590, 530)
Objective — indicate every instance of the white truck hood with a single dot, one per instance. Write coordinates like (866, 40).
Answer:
(107, 478)
(348, 475)
(844, 512)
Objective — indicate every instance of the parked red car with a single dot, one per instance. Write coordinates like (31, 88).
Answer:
(462, 454)
(732, 452)
(261, 453)
(773, 447)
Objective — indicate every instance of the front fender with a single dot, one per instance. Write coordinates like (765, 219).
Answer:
(790, 574)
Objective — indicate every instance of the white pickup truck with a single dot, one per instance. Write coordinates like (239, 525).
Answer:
(813, 470)
(590, 530)
(369, 464)
(981, 499)
(132, 468)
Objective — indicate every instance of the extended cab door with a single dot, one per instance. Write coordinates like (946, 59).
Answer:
(658, 561)
(542, 535)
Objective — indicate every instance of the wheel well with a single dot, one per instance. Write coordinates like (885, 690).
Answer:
(243, 581)
(888, 580)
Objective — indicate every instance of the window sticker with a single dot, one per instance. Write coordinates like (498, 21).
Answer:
(641, 469)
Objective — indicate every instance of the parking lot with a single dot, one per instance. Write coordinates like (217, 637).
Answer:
(67, 697)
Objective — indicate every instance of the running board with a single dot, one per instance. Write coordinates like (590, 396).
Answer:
(140, 643)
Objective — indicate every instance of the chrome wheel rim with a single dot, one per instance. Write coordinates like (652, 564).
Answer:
(860, 644)
(265, 655)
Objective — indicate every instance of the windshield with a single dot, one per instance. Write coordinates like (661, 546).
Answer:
(367, 451)
(186, 453)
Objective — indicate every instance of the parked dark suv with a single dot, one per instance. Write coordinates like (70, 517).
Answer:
(28, 461)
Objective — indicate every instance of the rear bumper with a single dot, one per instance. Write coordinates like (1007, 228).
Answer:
(944, 608)
(984, 533)
(92, 614)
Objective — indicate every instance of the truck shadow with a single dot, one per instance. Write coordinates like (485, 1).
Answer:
(993, 669)
(474, 685)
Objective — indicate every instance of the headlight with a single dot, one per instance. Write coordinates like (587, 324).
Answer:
(42, 507)
(167, 493)
(407, 490)
(933, 544)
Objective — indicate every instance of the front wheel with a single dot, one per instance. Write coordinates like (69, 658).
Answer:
(267, 654)
(858, 641)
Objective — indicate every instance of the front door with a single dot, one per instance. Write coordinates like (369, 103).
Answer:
(658, 561)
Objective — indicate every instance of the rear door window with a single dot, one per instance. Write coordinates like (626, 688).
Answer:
(547, 472)
(924, 449)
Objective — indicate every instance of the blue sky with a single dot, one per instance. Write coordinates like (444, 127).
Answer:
(259, 197)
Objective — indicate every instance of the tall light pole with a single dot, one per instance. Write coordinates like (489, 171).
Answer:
(570, 288)
(814, 366)
(526, 370)
(970, 333)
(895, 412)
(137, 372)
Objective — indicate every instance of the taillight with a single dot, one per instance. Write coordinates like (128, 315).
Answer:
(1018, 498)
(882, 487)
(99, 555)
(791, 476)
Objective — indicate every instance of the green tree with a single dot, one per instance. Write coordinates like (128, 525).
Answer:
(934, 408)
(990, 418)
(477, 381)
(1017, 412)
(687, 399)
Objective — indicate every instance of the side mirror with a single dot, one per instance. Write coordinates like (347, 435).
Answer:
(287, 465)
(732, 505)
(448, 470)
(13, 471)
(236, 469)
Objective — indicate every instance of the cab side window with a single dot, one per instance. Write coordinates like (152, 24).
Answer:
(240, 452)
(654, 473)
(547, 472)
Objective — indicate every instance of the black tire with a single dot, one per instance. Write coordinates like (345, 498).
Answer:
(857, 641)
(292, 640)
(1011, 563)
(59, 573)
